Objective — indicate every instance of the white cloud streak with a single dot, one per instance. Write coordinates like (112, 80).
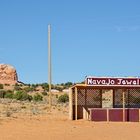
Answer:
(127, 28)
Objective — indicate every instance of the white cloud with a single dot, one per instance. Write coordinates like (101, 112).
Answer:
(127, 28)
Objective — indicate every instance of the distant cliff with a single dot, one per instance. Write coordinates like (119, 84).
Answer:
(8, 74)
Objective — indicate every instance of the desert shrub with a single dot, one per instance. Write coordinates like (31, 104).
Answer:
(8, 95)
(28, 89)
(63, 98)
(68, 84)
(17, 87)
(34, 85)
(37, 97)
(8, 113)
(7, 84)
(27, 85)
(30, 98)
(21, 85)
(44, 93)
(56, 95)
(45, 86)
(1, 86)
(59, 88)
(2, 93)
(9, 91)
(19, 95)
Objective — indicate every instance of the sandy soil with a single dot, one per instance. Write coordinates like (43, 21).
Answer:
(58, 127)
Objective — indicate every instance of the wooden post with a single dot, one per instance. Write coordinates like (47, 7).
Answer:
(107, 114)
(123, 105)
(101, 102)
(139, 115)
(75, 103)
(49, 65)
(70, 105)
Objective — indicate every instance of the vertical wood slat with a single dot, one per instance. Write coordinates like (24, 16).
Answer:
(76, 103)
(139, 115)
(70, 104)
(123, 105)
(101, 97)
(107, 114)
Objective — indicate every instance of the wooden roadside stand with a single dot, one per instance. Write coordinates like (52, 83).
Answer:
(106, 99)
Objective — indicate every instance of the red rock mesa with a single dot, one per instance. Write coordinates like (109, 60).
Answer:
(8, 74)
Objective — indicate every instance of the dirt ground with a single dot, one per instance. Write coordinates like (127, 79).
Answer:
(56, 126)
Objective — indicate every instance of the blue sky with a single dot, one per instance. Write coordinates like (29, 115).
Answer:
(89, 37)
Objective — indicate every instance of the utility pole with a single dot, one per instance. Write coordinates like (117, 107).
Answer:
(49, 65)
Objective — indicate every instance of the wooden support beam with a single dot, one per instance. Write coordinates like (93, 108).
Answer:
(139, 115)
(70, 105)
(76, 94)
(107, 114)
(123, 105)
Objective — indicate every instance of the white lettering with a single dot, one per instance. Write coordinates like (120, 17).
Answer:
(99, 82)
(94, 82)
(119, 81)
(129, 82)
(89, 81)
(103, 82)
(123, 82)
(138, 82)
(112, 82)
(135, 82)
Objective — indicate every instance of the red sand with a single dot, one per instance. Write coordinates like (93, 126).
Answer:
(53, 128)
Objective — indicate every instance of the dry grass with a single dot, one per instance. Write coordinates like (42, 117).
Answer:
(14, 108)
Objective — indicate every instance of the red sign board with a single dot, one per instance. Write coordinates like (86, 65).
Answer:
(111, 81)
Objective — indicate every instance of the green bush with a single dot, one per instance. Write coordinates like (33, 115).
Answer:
(56, 95)
(37, 97)
(59, 88)
(22, 96)
(8, 95)
(63, 98)
(28, 89)
(34, 86)
(17, 87)
(44, 93)
(30, 98)
(45, 86)
(7, 84)
(1, 86)
(2, 93)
